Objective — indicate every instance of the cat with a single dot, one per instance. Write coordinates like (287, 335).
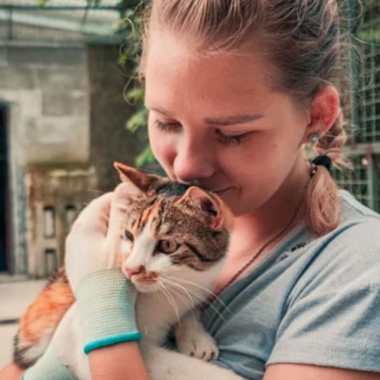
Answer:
(183, 231)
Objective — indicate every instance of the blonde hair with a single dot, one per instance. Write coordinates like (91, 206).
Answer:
(304, 41)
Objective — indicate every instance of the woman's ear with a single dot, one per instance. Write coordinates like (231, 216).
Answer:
(324, 110)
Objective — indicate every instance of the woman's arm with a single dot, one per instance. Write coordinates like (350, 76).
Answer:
(119, 362)
(106, 363)
(310, 372)
(11, 372)
(163, 364)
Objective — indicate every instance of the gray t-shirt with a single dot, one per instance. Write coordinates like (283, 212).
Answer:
(310, 301)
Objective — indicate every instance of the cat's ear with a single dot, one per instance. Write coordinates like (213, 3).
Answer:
(210, 206)
(144, 182)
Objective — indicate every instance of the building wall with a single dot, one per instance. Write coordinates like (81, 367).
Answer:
(109, 139)
(47, 90)
(67, 117)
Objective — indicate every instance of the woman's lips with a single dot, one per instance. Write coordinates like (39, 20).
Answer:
(221, 191)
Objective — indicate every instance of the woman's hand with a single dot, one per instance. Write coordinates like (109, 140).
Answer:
(106, 299)
(94, 241)
(11, 372)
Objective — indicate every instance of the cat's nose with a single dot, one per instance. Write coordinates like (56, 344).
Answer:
(134, 271)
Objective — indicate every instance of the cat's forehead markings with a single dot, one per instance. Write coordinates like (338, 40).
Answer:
(150, 213)
(144, 243)
(173, 189)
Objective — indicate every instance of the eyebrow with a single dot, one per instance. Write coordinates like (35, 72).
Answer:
(232, 120)
(220, 121)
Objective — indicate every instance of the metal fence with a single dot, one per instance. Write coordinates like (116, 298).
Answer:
(364, 147)
(60, 22)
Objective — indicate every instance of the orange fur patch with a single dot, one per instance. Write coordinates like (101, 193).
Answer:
(45, 313)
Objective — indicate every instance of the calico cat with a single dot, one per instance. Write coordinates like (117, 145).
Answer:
(183, 233)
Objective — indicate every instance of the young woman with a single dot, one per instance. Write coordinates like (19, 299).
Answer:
(235, 90)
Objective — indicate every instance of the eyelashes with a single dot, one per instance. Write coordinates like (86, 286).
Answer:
(229, 140)
(222, 138)
(166, 126)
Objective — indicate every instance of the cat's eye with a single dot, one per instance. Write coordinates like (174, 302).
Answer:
(128, 235)
(167, 246)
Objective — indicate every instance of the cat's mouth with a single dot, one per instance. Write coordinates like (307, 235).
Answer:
(144, 282)
(144, 285)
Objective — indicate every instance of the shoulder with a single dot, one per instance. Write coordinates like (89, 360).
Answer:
(357, 237)
(353, 211)
(331, 315)
(344, 259)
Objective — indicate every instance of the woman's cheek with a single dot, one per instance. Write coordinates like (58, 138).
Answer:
(163, 149)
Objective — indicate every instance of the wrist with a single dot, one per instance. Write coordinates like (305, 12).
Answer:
(110, 363)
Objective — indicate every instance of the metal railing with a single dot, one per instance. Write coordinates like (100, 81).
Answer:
(364, 147)
(33, 24)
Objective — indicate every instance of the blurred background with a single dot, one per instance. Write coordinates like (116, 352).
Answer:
(70, 106)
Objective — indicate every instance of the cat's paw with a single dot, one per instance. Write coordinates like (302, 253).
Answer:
(198, 344)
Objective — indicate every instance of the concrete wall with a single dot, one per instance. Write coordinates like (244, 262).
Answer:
(67, 113)
(47, 91)
(55, 196)
(109, 139)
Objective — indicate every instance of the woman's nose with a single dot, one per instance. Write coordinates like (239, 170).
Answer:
(193, 164)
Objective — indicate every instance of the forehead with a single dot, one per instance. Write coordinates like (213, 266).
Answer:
(176, 73)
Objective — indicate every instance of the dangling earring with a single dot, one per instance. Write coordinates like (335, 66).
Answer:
(313, 138)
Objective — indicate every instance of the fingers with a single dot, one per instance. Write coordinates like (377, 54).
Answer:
(120, 206)
(97, 211)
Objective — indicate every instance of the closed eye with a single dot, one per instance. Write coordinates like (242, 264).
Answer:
(232, 139)
(222, 138)
(165, 126)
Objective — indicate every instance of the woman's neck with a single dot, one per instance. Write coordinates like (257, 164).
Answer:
(253, 230)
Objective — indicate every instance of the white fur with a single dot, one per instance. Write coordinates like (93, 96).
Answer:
(193, 340)
(34, 351)
(143, 247)
(157, 312)
(156, 315)
(162, 364)
(168, 365)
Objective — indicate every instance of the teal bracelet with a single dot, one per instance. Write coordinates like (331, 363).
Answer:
(122, 338)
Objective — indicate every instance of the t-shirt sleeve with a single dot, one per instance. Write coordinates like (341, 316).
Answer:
(332, 317)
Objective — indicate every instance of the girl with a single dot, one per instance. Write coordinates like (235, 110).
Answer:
(235, 90)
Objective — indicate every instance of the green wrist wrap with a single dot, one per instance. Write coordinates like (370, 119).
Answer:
(49, 367)
(106, 303)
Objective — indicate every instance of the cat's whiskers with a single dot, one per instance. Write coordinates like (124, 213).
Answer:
(211, 293)
(198, 296)
(181, 295)
(191, 292)
(165, 291)
(183, 289)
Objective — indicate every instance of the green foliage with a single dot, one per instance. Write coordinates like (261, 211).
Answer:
(131, 26)
(42, 3)
(137, 120)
